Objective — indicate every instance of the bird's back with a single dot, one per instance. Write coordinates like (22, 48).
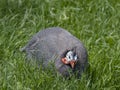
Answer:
(50, 43)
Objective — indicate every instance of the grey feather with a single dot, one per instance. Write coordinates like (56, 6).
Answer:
(50, 44)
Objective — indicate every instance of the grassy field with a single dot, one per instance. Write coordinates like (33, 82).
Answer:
(95, 22)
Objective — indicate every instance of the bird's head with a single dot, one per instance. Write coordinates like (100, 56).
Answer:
(70, 58)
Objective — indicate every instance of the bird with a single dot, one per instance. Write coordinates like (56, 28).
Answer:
(55, 44)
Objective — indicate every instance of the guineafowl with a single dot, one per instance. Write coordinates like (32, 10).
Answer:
(58, 45)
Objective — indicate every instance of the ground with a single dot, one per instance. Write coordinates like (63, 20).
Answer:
(95, 22)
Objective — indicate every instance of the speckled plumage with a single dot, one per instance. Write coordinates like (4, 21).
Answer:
(50, 44)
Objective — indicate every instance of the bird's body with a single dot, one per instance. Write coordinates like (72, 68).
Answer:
(51, 44)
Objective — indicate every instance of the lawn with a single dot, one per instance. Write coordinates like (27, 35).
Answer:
(95, 22)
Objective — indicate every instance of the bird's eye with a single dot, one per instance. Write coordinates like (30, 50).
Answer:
(69, 55)
(68, 58)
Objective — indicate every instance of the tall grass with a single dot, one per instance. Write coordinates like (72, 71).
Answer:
(94, 22)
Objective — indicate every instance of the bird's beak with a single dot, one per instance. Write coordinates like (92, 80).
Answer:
(72, 63)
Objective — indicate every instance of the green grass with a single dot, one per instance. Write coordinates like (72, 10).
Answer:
(95, 22)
